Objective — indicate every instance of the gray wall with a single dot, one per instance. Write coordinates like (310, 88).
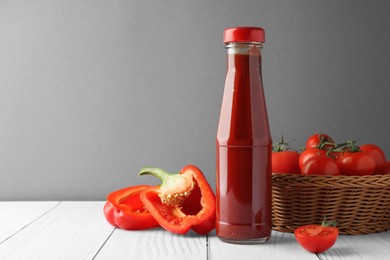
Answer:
(93, 90)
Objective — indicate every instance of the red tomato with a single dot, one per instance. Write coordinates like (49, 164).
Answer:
(285, 162)
(316, 238)
(387, 168)
(322, 165)
(377, 154)
(316, 139)
(308, 153)
(356, 163)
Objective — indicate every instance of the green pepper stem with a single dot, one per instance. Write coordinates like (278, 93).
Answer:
(179, 184)
(157, 172)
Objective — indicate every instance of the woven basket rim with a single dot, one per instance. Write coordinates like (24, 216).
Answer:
(373, 181)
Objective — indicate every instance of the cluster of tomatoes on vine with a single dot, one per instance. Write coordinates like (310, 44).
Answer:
(322, 156)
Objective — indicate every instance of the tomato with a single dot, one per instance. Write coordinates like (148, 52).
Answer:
(316, 238)
(356, 163)
(316, 139)
(307, 154)
(322, 165)
(285, 162)
(387, 168)
(377, 154)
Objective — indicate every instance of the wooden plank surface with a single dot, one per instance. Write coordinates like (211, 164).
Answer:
(371, 246)
(16, 215)
(72, 230)
(280, 246)
(78, 230)
(155, 244)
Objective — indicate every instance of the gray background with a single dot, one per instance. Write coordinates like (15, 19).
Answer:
(93, 90)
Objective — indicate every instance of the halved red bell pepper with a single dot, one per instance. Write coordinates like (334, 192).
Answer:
(182, 201)
(125, 210)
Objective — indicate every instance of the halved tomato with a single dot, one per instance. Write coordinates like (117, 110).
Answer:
(316, 238)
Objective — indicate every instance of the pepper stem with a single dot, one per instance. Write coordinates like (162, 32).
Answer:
(175, 188)
(157, 172)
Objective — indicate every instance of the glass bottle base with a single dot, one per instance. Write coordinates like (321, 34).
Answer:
(252, 241)
(244, 234)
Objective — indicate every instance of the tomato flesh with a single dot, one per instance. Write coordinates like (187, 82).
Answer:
(316, 238)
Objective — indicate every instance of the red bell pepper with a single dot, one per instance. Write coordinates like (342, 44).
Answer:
(125, 210)
(182, 201)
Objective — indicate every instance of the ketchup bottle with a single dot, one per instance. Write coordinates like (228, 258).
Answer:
(244, 144)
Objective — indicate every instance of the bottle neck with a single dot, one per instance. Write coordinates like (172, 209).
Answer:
(244, 56)
(244, 47)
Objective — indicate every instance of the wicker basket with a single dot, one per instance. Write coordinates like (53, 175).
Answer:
(360, 204)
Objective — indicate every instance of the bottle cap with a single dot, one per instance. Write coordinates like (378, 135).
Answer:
(244, 34)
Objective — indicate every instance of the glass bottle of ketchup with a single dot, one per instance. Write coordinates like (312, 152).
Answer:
(244, 144)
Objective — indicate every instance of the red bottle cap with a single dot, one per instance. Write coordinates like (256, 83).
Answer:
(244, 34)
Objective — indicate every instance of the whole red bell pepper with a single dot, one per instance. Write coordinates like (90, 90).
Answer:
(125, 210)
(182, 201)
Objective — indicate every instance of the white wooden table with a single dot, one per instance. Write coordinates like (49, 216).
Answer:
(78, 230)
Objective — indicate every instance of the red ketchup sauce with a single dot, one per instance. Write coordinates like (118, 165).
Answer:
(243, 144)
